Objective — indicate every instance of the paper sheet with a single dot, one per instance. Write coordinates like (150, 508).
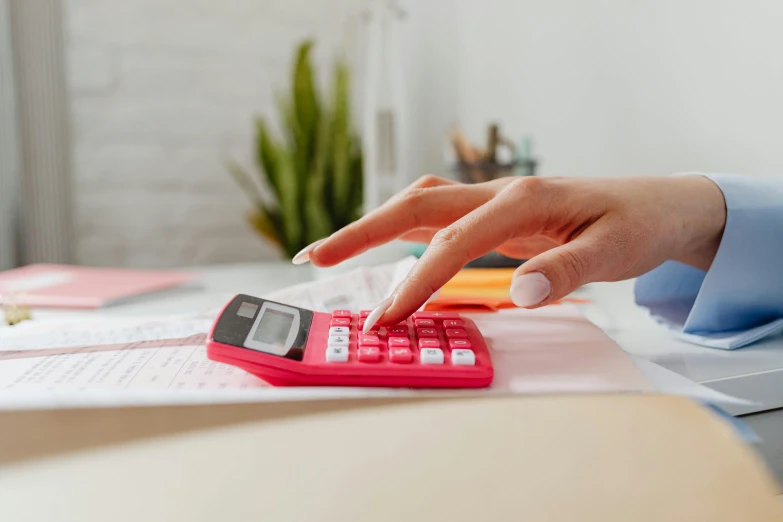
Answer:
(108, 332)
(360, 289)
(722, 340)
(733, 340)
(123, 361)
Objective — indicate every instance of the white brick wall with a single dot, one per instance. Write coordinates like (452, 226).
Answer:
(161, 92)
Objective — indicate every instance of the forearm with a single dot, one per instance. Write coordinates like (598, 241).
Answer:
(741, 285)
(702, 206)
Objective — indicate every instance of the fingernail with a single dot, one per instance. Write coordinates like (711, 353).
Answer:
(530, 289)
(303, 256)
(377, 314)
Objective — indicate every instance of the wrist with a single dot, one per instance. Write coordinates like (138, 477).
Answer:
(703, 218)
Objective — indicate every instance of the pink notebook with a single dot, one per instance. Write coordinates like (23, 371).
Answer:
(64, 286)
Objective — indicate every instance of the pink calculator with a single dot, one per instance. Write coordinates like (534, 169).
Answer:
(289, 346)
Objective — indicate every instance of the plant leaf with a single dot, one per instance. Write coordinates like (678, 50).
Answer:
(306, 106)
(341, 142)
(317, 218)
(290, 206)
(244, 181)
(260, 220)
(266, 152)
(305, 97)
(357, 181)
(294, 135)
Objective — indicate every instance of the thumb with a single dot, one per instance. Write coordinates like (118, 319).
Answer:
(557, 272)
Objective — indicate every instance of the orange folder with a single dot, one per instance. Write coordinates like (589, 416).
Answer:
(478, 290)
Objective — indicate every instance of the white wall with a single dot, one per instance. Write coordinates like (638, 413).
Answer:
(613, 87)
(163, 89)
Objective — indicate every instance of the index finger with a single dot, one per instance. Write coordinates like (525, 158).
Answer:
(433, 207)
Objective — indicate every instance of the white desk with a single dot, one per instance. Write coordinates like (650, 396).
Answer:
(754, 373)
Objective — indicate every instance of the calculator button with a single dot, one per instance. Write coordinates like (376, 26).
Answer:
(364, 314)
(456, 344)
(435, 316)
(339, 331)
(424, 323)
(368, 340)
(400, 355)
(427, 332)
(456, 333)
(339, 340)
(337, 354)
(374, 329)
(342, 313)
(429, 343)
(452, 323)
(397, 331)
(431, 356)
(340, 321)
(395, 342)
(463, 357)
(368, 354)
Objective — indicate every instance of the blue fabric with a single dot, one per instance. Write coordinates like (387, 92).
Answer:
(743, 288)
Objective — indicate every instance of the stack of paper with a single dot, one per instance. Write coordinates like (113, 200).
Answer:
(163, 360)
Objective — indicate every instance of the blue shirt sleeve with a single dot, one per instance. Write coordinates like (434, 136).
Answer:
(743, 288)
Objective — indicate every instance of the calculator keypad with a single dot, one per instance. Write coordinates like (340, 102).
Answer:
(428, 338)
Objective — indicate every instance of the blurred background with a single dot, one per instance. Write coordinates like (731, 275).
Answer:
(118, 120)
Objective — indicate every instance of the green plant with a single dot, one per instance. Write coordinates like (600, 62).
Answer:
(314, 173)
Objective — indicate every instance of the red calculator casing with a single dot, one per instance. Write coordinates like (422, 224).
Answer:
(314, 370)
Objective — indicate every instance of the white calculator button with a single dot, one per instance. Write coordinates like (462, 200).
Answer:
(338, 340)
(431, 356)
(462, 357)
(337, 354)
(339, 331)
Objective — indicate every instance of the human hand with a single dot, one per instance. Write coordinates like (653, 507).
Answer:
(573, 231)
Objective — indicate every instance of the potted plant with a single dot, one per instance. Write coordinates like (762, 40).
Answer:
(313, 173)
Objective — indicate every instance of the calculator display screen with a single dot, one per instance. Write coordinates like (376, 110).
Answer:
(264, 326)
(274, 327)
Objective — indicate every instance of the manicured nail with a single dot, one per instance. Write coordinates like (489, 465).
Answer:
(530, 289)
(377, 314)
(303, 256)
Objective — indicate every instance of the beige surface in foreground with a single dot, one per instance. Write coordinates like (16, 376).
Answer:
(611, 458)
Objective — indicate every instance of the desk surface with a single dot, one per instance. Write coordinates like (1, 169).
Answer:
(204, 463)
(752, 373)
(609, 459)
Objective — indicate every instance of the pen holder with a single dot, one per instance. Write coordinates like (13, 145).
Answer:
(480, 172)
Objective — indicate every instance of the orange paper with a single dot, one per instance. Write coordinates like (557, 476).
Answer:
(478, 290)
